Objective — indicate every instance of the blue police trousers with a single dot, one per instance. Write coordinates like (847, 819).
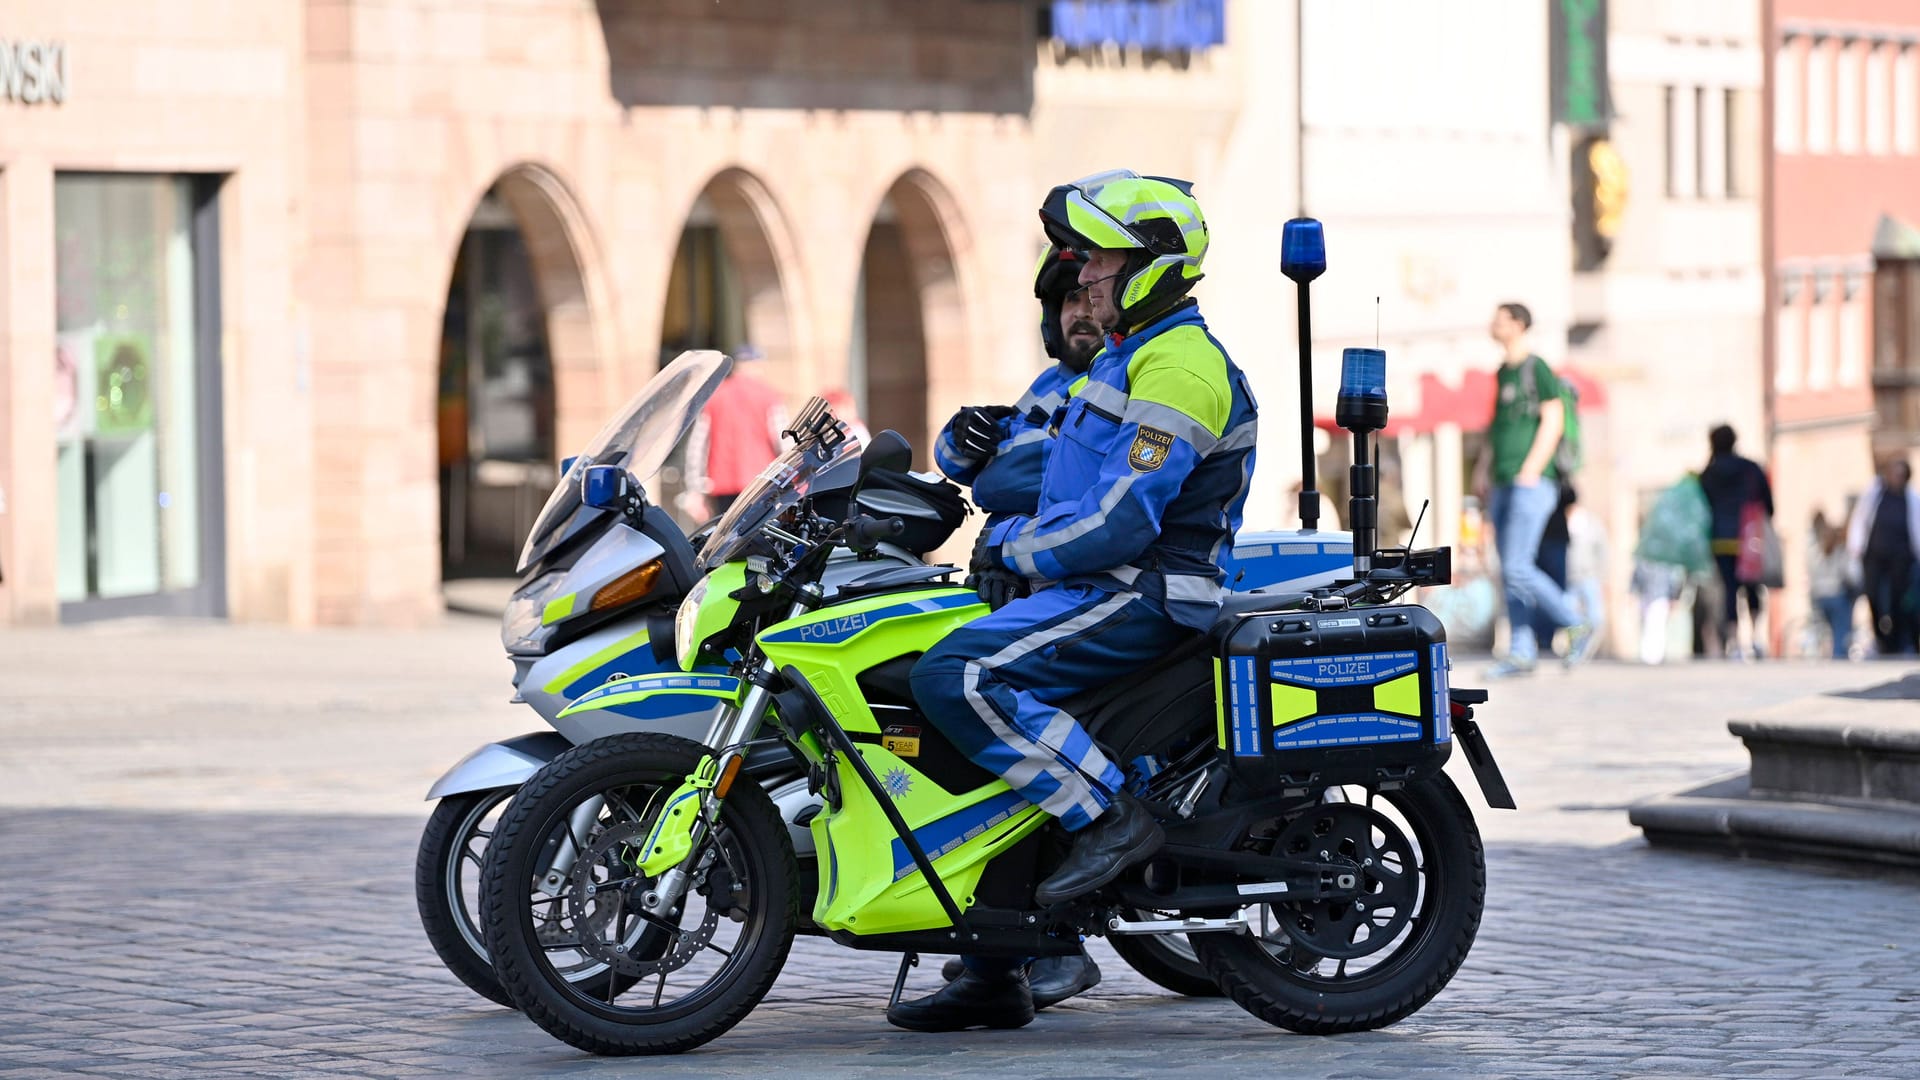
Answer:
(992, 688)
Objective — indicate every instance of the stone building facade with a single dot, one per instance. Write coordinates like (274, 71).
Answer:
(330, 285)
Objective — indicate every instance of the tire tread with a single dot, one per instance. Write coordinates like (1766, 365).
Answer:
(675, 754)
(1242, 988)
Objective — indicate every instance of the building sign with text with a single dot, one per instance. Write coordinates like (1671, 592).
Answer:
(1577, 59)
(33, 72)
(1152, 25)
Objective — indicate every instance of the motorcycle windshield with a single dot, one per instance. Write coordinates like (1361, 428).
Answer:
(814, 466)
(640, 439)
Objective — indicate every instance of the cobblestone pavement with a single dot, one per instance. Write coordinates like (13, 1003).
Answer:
(208, 834)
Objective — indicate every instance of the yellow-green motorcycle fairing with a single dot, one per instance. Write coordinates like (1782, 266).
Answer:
(869, 883)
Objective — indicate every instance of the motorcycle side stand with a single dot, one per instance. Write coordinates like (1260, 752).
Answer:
(910, 960)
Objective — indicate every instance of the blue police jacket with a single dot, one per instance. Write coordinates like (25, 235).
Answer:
(1146, 476)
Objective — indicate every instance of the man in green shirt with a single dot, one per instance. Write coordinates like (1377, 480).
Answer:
(1517, 477)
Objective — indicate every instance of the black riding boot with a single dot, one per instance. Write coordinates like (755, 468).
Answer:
(1117, 839)
(1054, 979)
(972, 1000)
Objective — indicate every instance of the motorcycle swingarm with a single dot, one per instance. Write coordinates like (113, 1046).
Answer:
(1279, 880)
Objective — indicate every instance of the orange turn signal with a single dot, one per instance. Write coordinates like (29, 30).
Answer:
(727, 774)
(628, 587)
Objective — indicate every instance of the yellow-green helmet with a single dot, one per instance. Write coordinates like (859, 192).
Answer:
(1153, 218)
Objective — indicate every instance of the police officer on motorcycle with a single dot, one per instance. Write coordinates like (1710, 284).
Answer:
(999, 452)
(1145, 477)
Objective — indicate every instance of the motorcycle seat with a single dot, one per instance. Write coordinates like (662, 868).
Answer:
(1135, 686)
(891, 578)
(1238, 605)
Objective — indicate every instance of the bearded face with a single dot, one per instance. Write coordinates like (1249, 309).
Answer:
(1079, 333)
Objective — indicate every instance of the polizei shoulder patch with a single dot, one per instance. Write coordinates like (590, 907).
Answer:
(1150, 449)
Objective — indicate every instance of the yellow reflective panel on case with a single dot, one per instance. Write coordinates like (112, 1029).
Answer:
(1292, 703)
(1401, 696)
(1220, 699)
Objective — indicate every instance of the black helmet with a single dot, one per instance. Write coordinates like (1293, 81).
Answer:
(1057, 275)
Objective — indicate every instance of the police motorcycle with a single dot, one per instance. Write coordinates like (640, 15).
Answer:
(601, 571)
(601, 574)
(1327, 871)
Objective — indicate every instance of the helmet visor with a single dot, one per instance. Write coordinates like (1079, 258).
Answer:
(1122, 210)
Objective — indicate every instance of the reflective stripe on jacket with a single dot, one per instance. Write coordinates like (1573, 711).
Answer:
(1147, 472)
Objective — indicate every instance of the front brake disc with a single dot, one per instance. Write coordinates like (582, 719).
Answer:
(608, 922)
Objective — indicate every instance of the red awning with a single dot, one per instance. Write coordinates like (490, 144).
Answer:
(1470, 405)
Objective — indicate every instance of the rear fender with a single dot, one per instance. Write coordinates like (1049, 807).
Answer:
(504, 764)
(1486, 771)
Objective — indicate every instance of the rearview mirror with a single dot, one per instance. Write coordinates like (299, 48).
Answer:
(888, 452)
(604, 487)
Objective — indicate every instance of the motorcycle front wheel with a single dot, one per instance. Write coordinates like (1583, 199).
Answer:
(691, 970)
(446, 891)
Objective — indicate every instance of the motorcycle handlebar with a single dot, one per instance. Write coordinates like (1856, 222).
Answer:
(865, 533)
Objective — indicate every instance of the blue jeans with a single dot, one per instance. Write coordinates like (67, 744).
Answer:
(1838, 611)
(1519, 516)
(1553, 560)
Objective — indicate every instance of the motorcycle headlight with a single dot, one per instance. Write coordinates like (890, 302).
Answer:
(683, 624)
(520, 627)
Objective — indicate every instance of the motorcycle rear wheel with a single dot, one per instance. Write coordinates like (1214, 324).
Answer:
(1426, 889)
(756, 909)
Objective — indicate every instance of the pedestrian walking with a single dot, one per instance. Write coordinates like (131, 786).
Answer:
(1673, 551)
(1552, 561)
(1517, 473)
(1741, 500)
(1830, 582)
(737, 435)
(1586, 568)
(1883, 539)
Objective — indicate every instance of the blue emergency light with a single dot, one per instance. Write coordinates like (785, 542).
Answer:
(1362, 402)
(604, 486)
(1303, 250)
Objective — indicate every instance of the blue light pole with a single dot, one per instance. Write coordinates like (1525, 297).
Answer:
(1303, 257)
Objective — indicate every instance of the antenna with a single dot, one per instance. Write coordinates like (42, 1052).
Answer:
(1376, 322)
(1303, 257)
(1415, 531)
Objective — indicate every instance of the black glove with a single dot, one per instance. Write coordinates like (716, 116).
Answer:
(976, 429)
(996, 585)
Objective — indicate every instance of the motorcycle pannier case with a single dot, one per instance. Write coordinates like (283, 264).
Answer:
(1337, 697)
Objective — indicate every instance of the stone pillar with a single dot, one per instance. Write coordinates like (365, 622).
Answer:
(29, 529)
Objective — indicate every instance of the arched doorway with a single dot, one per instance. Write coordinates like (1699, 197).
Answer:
(726, 291)
(909, 327)
(516, 329)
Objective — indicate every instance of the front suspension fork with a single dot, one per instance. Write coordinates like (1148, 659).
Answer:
(687, 817)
